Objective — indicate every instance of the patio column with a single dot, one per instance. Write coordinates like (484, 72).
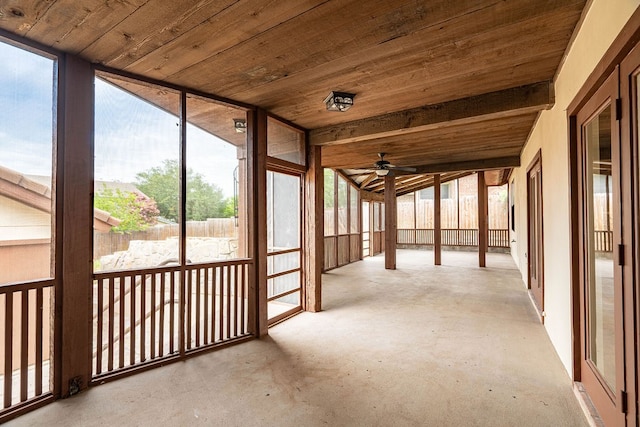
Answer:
(390, 222)
(437, 220)
(483, 213)
(72, 346)
(257, 160)
(314, 231)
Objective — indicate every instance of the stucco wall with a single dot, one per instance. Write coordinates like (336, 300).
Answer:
(603, 21)
(21, 222)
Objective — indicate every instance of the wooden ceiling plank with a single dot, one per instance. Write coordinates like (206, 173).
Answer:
(150, 27)
(505, 103)
(234, 26)
(385, 22)
(399, 71)
(458, 37)
(477, 141)
(67, 27)
(19, 16)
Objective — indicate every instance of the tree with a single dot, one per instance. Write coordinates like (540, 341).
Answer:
(162, 183)
(230, 205)
(135, 211)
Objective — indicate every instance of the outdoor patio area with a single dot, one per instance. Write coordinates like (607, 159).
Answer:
(424, 345)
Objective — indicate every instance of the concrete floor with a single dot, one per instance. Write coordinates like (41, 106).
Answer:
(453, 345)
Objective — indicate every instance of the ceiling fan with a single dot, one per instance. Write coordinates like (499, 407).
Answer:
(382, 166)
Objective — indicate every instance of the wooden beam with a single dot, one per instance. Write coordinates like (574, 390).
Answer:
(371, 197)
(505, 103)
(471, 166)
(390, 222)
(483, 232)
(74, 319)
(314, 231)
(437, 222)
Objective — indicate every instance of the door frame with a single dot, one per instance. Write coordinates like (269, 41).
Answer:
(621, 48)
(610, 403)
(299, 173)
(534, 166)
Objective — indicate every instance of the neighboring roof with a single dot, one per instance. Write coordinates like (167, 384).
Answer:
(26, 190)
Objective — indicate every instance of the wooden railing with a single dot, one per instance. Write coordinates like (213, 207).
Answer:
(217, 303)
(25, 318)
(498, 238)
(137, 313)
(341, 250)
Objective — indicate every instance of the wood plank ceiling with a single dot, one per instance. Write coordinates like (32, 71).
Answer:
(441, 85)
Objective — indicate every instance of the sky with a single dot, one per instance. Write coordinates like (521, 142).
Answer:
(131, 135)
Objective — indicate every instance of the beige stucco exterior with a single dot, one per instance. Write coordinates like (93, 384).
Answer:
(601, 24)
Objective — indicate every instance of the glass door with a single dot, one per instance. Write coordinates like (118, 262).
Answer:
(602, 361)
(284, 250)
(534, 215)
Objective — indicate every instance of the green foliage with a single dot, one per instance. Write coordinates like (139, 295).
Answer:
(135, 212)
(329, 190)
(162, 183)
(230, 207)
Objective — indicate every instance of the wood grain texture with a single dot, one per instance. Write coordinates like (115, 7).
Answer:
(390, 222)
(405, 60)
(77, 230)
(314, 231)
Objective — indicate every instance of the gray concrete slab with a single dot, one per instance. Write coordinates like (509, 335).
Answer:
(453, 345)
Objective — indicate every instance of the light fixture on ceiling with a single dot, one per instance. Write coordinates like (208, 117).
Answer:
(382, 172)
(240, 125)
(339, 101)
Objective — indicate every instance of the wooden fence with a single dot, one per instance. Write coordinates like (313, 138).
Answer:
(498, 238)
(108, 243)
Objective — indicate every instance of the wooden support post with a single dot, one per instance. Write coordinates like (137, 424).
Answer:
(483, 213)
(314, 231)
(75, 188)
(437, 219)
(390, 222)
(257, 160)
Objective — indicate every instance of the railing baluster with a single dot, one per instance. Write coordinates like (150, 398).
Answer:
(132, 325)
(161, 322)
(153, 316)
(188, 308)
(110, 326)
(197, 274)
(221, 320)
(39, 335)
(143, 317)
(205, 320)
(8, 348)
(122, 284)
(214, 288)
(172, 314)
(24, 345)
(228, 288)
(235, 301)
(100, 318)
(243, 267)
